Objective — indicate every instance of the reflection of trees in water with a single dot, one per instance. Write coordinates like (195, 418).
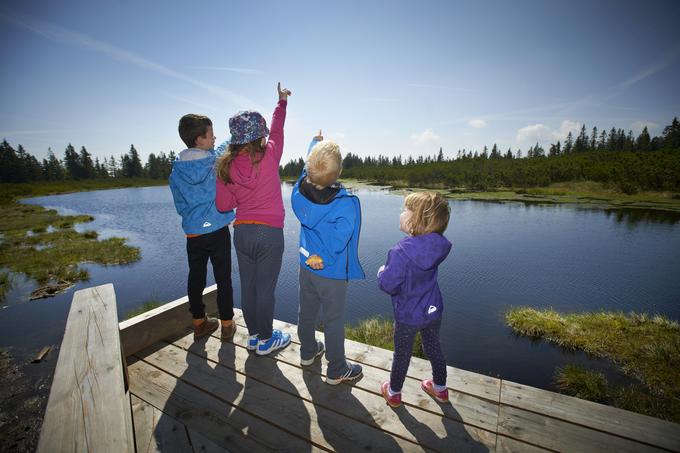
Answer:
(633, 216)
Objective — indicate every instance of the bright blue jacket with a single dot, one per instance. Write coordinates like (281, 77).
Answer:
(330, 231)
(193, 189)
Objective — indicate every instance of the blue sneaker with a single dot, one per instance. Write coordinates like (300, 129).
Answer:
(252, 343)
(277, 341)
(352, 373)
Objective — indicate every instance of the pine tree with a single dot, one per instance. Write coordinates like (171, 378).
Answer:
(671, 135)
(440, 156)
(86, 164)
(643, 140)
(568, 144)
(72, 163)
(593, 139)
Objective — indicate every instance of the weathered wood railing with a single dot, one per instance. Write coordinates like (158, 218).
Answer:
(89, 405)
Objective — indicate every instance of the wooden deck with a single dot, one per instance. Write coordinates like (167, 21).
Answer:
(218, 396)
(145, 385)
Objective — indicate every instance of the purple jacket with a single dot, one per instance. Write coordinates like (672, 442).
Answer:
(410, 277)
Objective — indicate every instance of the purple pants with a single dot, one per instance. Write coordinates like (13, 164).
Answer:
(404, 336)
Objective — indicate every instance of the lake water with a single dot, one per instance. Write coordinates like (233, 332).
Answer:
(503, 255)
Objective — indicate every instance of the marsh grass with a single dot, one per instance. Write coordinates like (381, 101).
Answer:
(146, 306)
(644, 347)
(379, 332)
(53, 255)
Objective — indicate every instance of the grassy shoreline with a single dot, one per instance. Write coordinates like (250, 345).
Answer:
(582, 193)
(45, 246)
(646, 348)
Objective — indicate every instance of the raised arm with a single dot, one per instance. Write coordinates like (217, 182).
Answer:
(278, 121)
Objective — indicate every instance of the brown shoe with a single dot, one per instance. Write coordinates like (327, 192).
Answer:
(228, 331)
(208, 326)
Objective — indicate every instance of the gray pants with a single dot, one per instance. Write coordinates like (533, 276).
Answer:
(259, 250)
(329, 295)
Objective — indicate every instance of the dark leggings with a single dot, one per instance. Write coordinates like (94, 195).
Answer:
(404, 335)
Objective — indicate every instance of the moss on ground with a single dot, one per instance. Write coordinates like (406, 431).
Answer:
(44, 245)
(644, 347)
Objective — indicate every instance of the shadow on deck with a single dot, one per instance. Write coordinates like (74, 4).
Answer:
(213, 396)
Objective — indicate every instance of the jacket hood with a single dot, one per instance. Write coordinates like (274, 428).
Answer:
(426, 251)
(194, 171)
(243, 172)
(310, 213)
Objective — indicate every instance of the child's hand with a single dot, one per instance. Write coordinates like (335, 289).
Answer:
(381, 270)
(283, 94)
(315, 262)
(319, 138)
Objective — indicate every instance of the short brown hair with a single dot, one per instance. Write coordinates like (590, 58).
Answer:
(430, 211)
(192, 126)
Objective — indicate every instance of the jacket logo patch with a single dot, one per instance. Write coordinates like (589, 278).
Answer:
(304, 252)
(207, 224)
(431, 309)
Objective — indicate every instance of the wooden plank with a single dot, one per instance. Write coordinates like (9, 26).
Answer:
(156, 432)
(220, 422)
(471, 410)
(152, 326)
(559, 435)
(202, 444)
(412, 423)
(508, 445)
(88, 409)
(457, 379)
(623, 423)
(269, 390)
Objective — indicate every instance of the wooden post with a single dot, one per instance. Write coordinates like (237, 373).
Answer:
(88, 408)
(154, 325)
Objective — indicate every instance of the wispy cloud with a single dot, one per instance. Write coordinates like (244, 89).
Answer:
(477, 123)
(637, 126)
(246, 71)
(665, 60)
(427, 136)
(542, 133)
(63, 35)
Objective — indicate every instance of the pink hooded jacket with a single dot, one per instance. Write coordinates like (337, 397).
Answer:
(255, 191)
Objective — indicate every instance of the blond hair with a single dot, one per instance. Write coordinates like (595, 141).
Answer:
(324, 164)
(430, 213)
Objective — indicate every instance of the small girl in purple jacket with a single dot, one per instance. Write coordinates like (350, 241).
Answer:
(410, 277)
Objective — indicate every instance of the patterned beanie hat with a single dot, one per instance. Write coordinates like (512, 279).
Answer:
(247, 126)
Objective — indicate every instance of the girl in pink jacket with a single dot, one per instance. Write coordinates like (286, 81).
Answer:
(248, 179)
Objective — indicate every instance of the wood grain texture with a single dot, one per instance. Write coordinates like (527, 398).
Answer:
(88, 408)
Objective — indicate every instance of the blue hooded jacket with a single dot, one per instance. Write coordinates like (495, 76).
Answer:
(410, 277)
(330, 231)
(192, 183)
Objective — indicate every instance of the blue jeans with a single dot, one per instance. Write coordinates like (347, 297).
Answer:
(329, 295)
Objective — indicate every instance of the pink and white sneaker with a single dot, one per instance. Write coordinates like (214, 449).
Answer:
(394, 400)
(428, 386)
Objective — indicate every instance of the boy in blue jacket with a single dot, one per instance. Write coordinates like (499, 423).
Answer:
(192, 182)
(330, 219)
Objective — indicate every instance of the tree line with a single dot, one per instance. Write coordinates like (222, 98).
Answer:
(613, 157)
(18, 165)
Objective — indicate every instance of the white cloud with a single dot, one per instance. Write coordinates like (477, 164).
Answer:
(477, 123)
(542, 133)
(639, 125)
(427, 136)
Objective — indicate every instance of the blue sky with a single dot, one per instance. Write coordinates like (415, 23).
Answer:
(380, 77)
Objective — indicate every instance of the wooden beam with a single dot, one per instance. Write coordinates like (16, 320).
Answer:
(154, 325)
(88, 408)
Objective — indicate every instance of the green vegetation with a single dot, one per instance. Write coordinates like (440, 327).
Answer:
(146, 306)
(5, 284)
(45, 246)
(379, 332)
(615, 163)
(646, 348)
